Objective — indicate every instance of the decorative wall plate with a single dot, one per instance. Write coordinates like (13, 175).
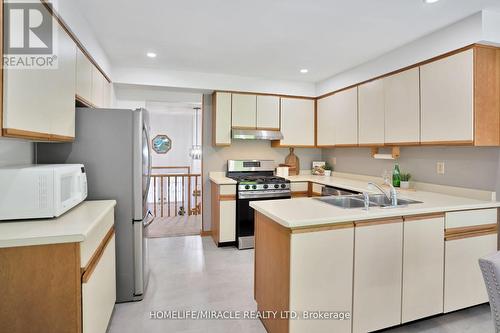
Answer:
(162, 144)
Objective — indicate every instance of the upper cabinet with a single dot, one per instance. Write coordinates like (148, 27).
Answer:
(268, 112)
(297, 123)
(221, 119)
(447, 90)
(402, 107)
(40, 104)
(371, 110)
(244, 111)
(345, 109)
(337, 119)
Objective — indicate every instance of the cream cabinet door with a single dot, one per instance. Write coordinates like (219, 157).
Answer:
(402, 107)
(371, 113)
(43, 100)
(377, 276)
(268, 112)
(99, 292)
(83, 76)
(297, 122)
(107, 94)
(446, 88)
(463, 281)
(345, 106)
(221, 119)
(97, 87)
(320, 278)
(326, 121)
(227, 223)
(244, 111)
(423, 265)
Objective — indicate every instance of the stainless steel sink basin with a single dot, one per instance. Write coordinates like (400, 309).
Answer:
(349, 201)
(356, 201)
(383, 201)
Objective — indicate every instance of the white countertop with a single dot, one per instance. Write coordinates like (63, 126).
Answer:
(73, 226)
(220, 178)
(303, 212)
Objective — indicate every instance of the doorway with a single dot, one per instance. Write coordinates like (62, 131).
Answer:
(175, 196)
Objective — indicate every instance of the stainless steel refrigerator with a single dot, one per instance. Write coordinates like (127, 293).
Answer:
(114, 146)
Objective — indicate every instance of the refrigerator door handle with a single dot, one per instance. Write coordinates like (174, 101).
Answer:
(150, 161)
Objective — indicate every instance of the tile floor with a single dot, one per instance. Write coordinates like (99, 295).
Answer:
(190, 273)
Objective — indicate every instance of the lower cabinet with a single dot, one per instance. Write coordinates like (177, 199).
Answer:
(469, 235)
(377, 274)
(223, 213)
(423, 264)
(463, 283)
(99, 292)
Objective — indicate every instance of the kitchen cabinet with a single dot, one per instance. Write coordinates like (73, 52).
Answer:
(244, 111)
(40, 104)
(423, 264)
(299, 189)
(447, 89)
(83, 77)
(297, 123)
(345, 109)
(107, 94)
(98, 81)
(221, 119)
(315, 261)
(371, 110)
(377, 274)
(223, 213)
(402, 108)
(67, 285)
(469, 235)
(268, 112)
(325, 131)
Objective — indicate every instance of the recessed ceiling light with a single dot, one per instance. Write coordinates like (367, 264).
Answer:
(304, 70)
(151, 54)
(431, 1)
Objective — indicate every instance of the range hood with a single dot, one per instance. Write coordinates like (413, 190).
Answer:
(256, 134)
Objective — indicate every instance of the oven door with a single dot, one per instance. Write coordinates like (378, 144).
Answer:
(245, 220)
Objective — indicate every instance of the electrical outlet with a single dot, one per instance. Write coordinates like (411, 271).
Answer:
(440, 168)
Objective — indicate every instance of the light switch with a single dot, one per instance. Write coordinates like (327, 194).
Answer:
(440, 168)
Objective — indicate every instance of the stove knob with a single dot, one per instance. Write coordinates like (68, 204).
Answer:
(276, 186)
(247, 187)
(254, 187)
(265, 186)
(283, 185)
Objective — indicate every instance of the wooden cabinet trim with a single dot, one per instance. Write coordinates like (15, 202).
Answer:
(22, 134)
(300, 194)
(94, 260)
(388, 220)
(471, 231)
(423, 217)
(227, 197)
(84, 101)
(447, 143)
(326, 227)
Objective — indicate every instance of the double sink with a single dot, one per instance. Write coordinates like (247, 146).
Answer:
(357, 201)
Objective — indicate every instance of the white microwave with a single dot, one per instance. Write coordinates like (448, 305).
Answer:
(41, 191)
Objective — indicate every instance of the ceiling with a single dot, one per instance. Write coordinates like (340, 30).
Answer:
(265, 38)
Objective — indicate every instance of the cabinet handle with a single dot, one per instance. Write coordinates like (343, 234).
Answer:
(96, 257)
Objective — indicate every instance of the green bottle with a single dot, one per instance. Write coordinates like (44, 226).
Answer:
(396, 176)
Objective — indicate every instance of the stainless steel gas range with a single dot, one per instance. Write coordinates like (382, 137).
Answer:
(256, 181)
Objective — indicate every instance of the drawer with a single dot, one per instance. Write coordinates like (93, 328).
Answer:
(469, 218)
(299, 187)
(95, 237)
(99, 292)
(316, 189)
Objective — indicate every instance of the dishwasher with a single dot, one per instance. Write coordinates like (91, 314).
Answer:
(336, 191)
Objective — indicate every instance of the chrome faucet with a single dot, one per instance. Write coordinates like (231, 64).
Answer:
(366, 199)
(393, 196)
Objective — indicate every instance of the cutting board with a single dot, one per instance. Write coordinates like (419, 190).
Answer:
(292, 161)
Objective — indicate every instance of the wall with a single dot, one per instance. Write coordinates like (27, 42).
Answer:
(214, 158)
(470, 167)
(14, 152)
(482, 27)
